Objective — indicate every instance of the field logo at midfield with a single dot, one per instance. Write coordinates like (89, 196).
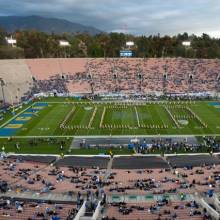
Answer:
(183, 122)
(88, 108)
(17, 123)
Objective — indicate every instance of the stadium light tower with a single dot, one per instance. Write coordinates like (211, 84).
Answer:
(3, 92)
(129, 44)
(11, 41)
(18, 94)
(127, 50)
(64, 44)
(187, 45)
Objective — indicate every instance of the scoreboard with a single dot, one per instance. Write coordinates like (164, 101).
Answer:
(126, 53)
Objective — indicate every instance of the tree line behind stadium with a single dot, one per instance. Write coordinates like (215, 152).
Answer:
(34, 44)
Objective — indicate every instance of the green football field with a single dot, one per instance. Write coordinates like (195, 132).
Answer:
(58, 117)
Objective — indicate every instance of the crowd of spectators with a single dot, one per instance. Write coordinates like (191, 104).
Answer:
(133, 76)
(204, 178)
(168, 146)
(25, 210)
(212, 142)
(155, 75)
(45, 178)
(95, 184)
(154, 181)
(158, 210)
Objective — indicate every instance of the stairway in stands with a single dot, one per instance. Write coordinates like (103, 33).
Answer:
(109, 168)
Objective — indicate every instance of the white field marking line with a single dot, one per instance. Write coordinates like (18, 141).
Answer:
(92, 118)
(68, 116)
(174, 120)
(122, 102)
(102, 118)
(108, 156)
(196, 116)
(15, 116)
(137, 116)
(162, 119)
(111, 136)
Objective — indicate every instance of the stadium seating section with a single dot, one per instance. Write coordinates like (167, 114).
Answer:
(173, 187)
(23, 78)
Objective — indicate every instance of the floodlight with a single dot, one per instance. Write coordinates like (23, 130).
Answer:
(64, 43)
(130, 43)
(186, 43)
(11, 41)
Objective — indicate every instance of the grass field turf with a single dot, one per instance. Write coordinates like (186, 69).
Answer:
(158, 118)
(52, 146)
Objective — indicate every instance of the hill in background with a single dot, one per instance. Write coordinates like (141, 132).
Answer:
(48, 25)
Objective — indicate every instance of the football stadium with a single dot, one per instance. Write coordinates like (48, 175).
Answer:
(107, 125)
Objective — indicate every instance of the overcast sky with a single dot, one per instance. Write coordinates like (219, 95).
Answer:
(132, 16)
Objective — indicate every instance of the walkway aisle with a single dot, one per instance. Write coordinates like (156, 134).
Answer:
(109, 168)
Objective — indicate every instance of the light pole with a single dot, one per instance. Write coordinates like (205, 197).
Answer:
(186, 45)
(64, 44)
(18, 95)
(11, 97)
(3, 92)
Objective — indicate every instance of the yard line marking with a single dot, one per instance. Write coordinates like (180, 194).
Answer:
(174, 120)
(66, 119)
(102, 118)
(137, 116)
(196, 116)
(92, 118)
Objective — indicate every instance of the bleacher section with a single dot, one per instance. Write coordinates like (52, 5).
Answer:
(40, 159)
(193, 160)
(148, 190)
(85, 162)
(24, 210)
(139, 163)
(23, 78)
